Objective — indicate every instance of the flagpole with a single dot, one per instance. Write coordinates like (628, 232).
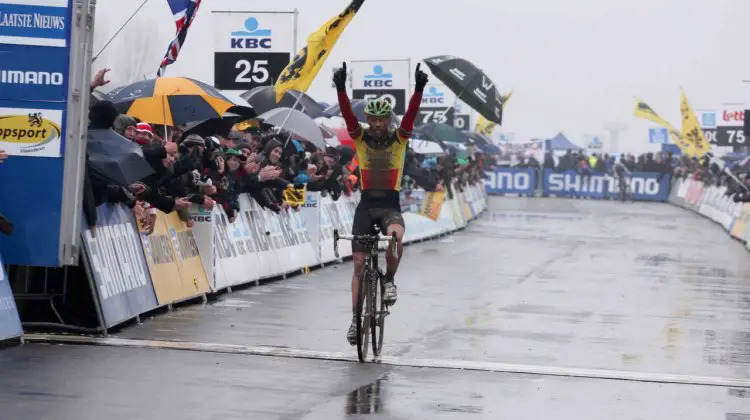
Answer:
(119, 30)
(289, 115)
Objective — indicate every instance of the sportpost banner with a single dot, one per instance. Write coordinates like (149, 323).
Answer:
(10, 324)
(121, 277)
(511, 181)
(251, 49)
(644, 186)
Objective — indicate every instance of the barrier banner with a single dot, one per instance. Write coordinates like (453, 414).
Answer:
(511, 181)
(120, 273)
(694, 194)
(267, 263)
(310, 213)
(677, 192)
(192, 274)
(644, 186)
(204, 232)
(10, 324)
(432, 205)
(741, 223)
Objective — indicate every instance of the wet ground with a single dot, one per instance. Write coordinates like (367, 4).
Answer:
(543, 308)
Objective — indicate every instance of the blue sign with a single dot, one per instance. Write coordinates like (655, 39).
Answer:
(252, 37)
(25, 24)
(671, 148)
(10, 324)
(511, 181)
(118, 265)
(708, 120)
(644, 186)
(433, 96)
(658, 135)
(33, 73)
(33, 108)
(379, 78)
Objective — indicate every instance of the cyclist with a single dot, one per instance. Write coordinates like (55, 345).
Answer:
(381, 155)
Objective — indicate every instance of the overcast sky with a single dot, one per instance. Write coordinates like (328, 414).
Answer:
(574, 65)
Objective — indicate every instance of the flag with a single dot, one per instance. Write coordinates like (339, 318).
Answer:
(506, 98)
(184, 12)
(691, 129)
(484, 126)
(642, 110)
(301, 71)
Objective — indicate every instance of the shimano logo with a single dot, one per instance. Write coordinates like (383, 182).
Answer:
(18, 77)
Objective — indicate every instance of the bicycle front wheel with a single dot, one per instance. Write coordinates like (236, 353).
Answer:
(379, 313)
(363, 315)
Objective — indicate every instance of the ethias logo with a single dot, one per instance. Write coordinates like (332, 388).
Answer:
(433, 97)
(32, 131)
(252, 37)
(379, 78)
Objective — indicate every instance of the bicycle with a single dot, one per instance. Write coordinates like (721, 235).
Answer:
(371, 307)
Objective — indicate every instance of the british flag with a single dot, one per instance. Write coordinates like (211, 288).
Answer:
(184, 12)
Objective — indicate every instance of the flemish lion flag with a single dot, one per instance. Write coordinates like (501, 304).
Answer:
(484, 126)
(691, 129)
(642, 110)
(301, 71)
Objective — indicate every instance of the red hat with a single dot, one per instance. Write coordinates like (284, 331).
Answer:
(144, 127)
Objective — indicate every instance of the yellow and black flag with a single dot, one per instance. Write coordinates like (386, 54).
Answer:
(301, 71)
(484, 126)
(642, 110)
(691, 129)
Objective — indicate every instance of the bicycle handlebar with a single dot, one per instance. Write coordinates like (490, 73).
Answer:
(380, 238)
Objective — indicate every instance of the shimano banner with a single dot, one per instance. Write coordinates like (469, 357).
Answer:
(120, 272)
(643, 186)
(511, 181)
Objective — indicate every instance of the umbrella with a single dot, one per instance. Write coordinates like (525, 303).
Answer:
(220, 126)
(263, 99)
(470, 84)
(298, 124)
(170, 101)
(358, 106)
(441, 133)
(477, 138)
(116, 158)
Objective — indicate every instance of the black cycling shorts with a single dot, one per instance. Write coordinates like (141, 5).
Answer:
(365, 217)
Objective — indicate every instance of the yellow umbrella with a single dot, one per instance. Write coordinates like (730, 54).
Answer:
(170, 101)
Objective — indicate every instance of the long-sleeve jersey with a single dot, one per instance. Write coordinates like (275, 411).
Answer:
(381, 161)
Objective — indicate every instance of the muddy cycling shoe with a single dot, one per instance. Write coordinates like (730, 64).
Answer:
(390, 293)
(351, 335)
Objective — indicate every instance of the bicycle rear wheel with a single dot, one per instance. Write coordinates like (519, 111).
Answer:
(380, 311)
(363, 315)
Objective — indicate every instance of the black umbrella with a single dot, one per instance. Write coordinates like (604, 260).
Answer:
(476, 137)
(221, 126)
(470, 84)
(116, 158)
(297, 123)
(263, 99)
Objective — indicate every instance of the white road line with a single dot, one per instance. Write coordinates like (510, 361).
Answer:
(396, 361)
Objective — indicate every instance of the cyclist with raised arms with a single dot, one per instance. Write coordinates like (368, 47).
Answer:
(381, 155)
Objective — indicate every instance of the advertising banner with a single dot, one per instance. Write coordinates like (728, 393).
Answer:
(694, 194)
(10, 324)
(165, 275)
(511, 181)
(388, 80)
(187, 256)
(251, 49)
(310, 213)
(644, 186)
(204, 232)
(33, 74)
(43, 23)
(725, 126)
(677, 193)
(120, 273)
(741, 223)
(254, 219)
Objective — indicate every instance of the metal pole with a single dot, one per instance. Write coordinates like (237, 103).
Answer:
(289, 115)
(119, 30)
(296, 20)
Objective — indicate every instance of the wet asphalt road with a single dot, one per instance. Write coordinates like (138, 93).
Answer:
(577, 288)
